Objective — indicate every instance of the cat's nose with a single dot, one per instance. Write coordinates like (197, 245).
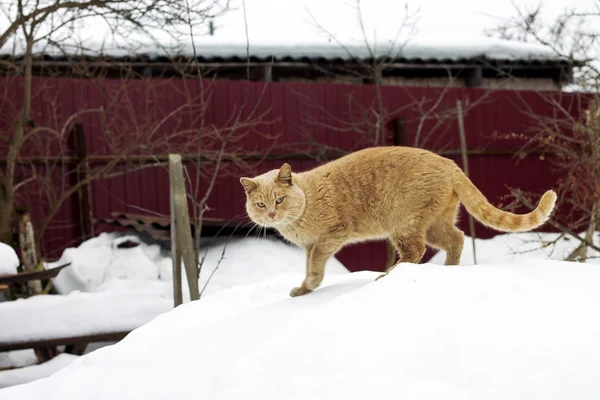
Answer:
(272, 215)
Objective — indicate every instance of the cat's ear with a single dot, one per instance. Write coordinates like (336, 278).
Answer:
(285, 174)
(248, 184)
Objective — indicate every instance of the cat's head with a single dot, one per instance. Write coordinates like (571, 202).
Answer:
(273, 199)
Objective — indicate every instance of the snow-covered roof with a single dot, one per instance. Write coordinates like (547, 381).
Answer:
(422, 50)
(416, 50)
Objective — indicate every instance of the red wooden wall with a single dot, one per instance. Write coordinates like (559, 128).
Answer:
(277, 119)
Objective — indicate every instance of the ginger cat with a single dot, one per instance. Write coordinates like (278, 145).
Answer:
(407, 195)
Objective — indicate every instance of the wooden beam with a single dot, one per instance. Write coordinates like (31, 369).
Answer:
(140, 160)
(400, 132)
(76, 348)
(29, 276)
(243, 64)
(474, 77)
(83, 194)
(62, 341)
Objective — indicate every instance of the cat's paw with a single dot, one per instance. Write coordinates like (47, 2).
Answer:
(381, 276)
(299, 291)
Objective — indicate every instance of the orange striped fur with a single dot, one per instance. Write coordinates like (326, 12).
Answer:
(409, 196)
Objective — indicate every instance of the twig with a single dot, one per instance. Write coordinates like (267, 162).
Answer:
(26, 181)
(218, 263)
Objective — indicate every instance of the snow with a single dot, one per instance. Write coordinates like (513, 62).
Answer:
(8, 260)
(437, 48)
(79, 314)
(98, 261)
(110, 289)
(28, 374)
(16, 359)
(520, 246)
(98, 265)
(501, 330)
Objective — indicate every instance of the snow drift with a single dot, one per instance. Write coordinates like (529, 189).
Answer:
(100, 265)
(525, 330)
(8, 260)
(113, 289)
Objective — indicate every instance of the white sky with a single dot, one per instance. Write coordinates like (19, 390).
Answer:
(290, 21)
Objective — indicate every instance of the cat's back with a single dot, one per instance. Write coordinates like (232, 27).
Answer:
(375, 163)
(372, 188)
(365, 178)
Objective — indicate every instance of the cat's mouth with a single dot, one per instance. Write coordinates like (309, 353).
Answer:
(271, 223)
(275, 222)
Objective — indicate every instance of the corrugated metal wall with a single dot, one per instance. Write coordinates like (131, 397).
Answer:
(294, 117)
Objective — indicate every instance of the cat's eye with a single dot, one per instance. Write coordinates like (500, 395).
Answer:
(279, 200)
(261, 204)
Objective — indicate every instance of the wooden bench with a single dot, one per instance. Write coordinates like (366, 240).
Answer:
(45, 322)
(48, 348)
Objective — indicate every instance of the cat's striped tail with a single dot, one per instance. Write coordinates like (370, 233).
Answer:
(480, 208)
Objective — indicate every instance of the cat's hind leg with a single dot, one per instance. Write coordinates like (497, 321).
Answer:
(443, 234)
(411, 248)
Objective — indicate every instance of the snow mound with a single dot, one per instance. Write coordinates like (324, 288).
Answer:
(100, 265)
(125, 291)
(34, 372)
(8, 260)
(425, 331)
(100, 260)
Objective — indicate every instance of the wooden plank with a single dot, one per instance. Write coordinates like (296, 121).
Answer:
(28, 276)
(62, 341)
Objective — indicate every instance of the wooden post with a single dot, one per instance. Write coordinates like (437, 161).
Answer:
(399, 139)
(28, 253)
(400, 131)
(175, 253)
(474, 77)
(463, 148)
(267, 73)
(85, 209)
(182, 244)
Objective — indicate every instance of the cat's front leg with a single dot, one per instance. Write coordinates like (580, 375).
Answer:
(316, 258)
(298, 291)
